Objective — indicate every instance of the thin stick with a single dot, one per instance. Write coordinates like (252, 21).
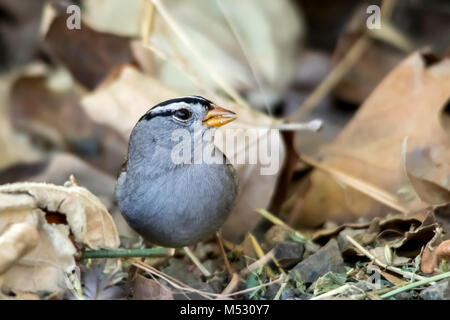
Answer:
(372, 293)
(232, 285)
(258, 264)
(280, 291)
(333, 292)
(247, 56)
(197, 262)
(234, 282)
(181, 286)
(277, 221)
(361, 249)
(126, 253)
(224, 254)
(260, 253)
(147, 21)
(416, 284)
(172, 281)
(313, 125)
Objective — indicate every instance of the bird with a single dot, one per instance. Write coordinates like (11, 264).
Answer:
(169, 203)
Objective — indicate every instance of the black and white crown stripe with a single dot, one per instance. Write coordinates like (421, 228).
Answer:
(165, 108)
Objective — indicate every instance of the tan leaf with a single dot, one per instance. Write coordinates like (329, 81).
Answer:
(87, 217)
(80, 216)
(407, 103)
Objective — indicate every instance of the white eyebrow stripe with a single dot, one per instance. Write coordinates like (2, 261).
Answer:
(171, 107)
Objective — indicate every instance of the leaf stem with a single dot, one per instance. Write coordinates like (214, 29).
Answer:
(126, 253)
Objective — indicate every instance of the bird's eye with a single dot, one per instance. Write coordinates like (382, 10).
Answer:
(182, 114)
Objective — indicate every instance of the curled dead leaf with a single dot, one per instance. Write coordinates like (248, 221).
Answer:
(39, 260)
(432, 257)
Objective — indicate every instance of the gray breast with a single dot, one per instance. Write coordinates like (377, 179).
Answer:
(179, 207)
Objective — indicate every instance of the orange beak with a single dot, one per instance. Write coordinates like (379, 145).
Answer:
(218, 116)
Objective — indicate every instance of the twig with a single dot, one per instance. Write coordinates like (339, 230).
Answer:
(405, 274)
(280, 291)
(126, 253)
(333, 292)
(313, 125)
(234, 282)
(172, 281)
(247, 56)
(257, 264)
(416, 284)
(232, 285)
(181, 286)
(197, 262)
(277, 221)
(147, 21)
(224, 254)
(260, 253)
(372, 293)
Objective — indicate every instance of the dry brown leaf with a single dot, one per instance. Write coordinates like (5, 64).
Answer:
(428, 191)
(125, 97)
(408, 102)
(55, 116)
(433, 254)
(89, 55)
(84, 220)
(150, 289)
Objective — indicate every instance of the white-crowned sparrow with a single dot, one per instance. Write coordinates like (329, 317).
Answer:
(173, 204)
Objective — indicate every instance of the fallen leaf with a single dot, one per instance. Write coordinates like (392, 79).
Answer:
(150, 289)
(54, 117)
(408, 102)
(89, 55)
(433, 254)
(86, 222)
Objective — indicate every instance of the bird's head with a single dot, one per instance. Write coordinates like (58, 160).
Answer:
(194, 114)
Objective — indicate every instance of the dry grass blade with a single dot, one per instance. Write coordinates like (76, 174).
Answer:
(147, 20)
(197, 262)
(241, 44)
(191, 47)
(406, 274)
(181, 286)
